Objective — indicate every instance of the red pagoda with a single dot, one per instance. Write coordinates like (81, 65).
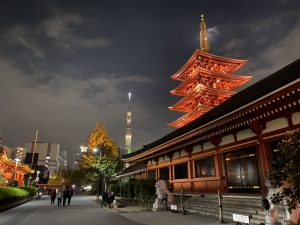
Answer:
(207, 81)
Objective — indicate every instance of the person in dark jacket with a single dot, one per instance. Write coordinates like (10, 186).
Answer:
(53, 196)
(70, 195)
(104, 199)
(67, 194)
(110, 199)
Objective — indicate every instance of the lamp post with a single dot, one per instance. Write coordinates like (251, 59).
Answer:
(98, 179)
(37, 178)
(17, 160)
(32, 158)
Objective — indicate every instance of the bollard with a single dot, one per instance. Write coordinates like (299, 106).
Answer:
(220, 208)
(181, 202)
(166, 202)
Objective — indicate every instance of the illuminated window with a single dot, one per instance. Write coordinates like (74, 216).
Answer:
(205, 167)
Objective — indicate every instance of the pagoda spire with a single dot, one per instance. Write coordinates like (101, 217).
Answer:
(204, 45)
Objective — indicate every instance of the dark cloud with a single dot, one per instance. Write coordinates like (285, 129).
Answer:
(64, 65)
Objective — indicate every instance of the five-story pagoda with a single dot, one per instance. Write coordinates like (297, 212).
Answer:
(207, 81)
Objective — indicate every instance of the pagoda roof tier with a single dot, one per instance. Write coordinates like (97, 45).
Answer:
(209, 61)
(202, 95)
(185, 119)
(211, 79)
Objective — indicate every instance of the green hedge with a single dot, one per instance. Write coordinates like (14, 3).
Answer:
(142, 191)
(32, 190)
(13, 194)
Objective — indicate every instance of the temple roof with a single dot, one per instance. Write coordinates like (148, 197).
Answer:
(197, 111)
(223, 81)
(132, 169)
(210, 62)
(285, 76)
(203, 95)
(57, 181)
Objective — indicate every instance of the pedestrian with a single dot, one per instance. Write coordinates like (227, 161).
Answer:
(65, 193)
(40, 193)
(111, 198)
(70, 195)
(104, 199)
(53, 196)
(59, 195)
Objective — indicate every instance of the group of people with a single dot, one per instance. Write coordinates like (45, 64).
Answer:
(63, 196)
(107, 199)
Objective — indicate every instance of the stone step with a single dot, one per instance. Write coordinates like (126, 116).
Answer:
(239, 211)
(227, 215)
(192, 205)
(209, 206)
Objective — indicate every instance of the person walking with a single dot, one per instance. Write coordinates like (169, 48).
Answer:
(110, 199)
(52, 196)
(70, 195)
(59, 195)
(104, 199)
(65, 195)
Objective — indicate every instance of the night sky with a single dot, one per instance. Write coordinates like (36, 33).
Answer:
(66, 64)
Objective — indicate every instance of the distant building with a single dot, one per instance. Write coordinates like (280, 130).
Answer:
(19, 153)
(45, 154)
(62, 160)
(9, 151)
(15, 153)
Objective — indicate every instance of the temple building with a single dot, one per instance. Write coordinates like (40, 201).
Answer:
(226, 140)
(11, 170)
(207, 80)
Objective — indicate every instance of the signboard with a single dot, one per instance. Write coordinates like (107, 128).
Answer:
(174, 207)
(241, 218)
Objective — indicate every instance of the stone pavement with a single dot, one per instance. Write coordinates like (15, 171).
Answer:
(141, 215)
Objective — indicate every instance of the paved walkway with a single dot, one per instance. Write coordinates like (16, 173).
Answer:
(141, 215)
(84, 210)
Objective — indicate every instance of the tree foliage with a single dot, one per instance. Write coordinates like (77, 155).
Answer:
(79, 177)
(106, 160)
(99, 139)
(285, 171)
(107, 166)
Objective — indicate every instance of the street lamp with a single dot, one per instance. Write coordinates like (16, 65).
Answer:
(17, 160)
(83, 148)
(37, 178)
(95, 150)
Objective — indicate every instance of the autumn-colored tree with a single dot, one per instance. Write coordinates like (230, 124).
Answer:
(99, 139)
(106, 160)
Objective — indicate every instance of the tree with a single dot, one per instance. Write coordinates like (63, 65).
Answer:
(79, 177)
(285, 171)
(109, 162)
(99, 138)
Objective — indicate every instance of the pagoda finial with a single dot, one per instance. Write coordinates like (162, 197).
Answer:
(204, 46)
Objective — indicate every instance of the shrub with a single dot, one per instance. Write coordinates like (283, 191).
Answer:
(32, 190)
(12, 194)
(141, 190)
